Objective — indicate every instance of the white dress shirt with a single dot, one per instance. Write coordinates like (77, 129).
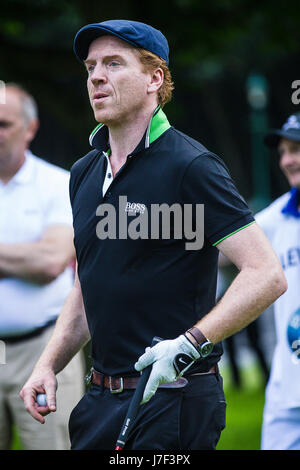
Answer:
(36, 198)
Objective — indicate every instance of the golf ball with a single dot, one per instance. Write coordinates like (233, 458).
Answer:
(41, 399)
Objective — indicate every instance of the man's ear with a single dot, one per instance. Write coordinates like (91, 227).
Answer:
(156, 80)
(32, 129)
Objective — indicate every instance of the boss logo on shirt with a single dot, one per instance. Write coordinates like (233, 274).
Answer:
(135, 207)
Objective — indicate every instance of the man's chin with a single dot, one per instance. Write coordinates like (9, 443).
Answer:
(101, 116)
(109, 119)
(293, 177)
(294, 182)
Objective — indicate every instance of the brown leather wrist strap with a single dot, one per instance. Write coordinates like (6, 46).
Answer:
(197, 335)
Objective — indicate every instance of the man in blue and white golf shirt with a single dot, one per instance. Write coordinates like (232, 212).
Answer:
(281, 223)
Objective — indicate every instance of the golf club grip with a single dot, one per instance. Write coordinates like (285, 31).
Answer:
(134, 404)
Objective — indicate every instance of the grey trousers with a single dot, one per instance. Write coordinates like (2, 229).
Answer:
(20, 358)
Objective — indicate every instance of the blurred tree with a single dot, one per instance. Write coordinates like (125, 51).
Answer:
(214, 47)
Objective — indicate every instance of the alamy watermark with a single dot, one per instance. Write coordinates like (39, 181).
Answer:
(2, 92)
(176, 221)
(296, 351)
(296, 94)
(2, 353)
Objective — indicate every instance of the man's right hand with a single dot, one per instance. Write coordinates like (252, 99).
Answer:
(40, 381)
(162, 356)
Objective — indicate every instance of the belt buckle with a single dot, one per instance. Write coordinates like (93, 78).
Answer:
(116, 390)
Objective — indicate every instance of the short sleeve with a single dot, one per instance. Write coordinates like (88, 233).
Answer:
(78, 171)
(207, 181)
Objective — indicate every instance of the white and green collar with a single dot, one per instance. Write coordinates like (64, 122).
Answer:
(157, 126)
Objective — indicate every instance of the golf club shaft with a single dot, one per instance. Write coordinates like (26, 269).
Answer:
(134, 404)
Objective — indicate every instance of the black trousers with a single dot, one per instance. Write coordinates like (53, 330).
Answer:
(188, 418)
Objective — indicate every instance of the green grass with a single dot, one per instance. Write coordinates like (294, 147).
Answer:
(244, 411)
(16, 444)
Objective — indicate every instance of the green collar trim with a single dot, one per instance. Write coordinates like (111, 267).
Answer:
(94, 132)
(157, 126)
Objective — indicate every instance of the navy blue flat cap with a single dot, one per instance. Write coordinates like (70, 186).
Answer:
(290, 130)
(133, 32)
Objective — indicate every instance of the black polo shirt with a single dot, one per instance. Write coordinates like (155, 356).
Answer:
(134, 289)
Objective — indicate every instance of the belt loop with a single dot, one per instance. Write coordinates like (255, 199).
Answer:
(88, 377)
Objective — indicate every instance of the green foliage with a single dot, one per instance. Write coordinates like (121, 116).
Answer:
(214, 46)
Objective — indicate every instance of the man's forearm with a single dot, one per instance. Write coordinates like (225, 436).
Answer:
(21, 260)
(251, 293)
(40, 261)
(71, 333)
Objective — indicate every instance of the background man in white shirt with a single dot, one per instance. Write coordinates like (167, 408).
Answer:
(36, 249)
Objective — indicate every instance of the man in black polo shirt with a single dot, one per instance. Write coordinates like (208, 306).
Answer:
(136, 279)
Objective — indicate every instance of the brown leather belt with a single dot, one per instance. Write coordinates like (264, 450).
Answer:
(118, 384)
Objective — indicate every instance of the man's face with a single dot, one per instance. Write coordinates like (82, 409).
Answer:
(289, 152)
(117, 85)
(13, 130)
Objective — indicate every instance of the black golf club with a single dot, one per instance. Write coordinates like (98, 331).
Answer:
(134, 404)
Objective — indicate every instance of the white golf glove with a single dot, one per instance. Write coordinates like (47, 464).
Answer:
(162, 356)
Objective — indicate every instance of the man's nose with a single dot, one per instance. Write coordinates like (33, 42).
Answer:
(98, 74)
